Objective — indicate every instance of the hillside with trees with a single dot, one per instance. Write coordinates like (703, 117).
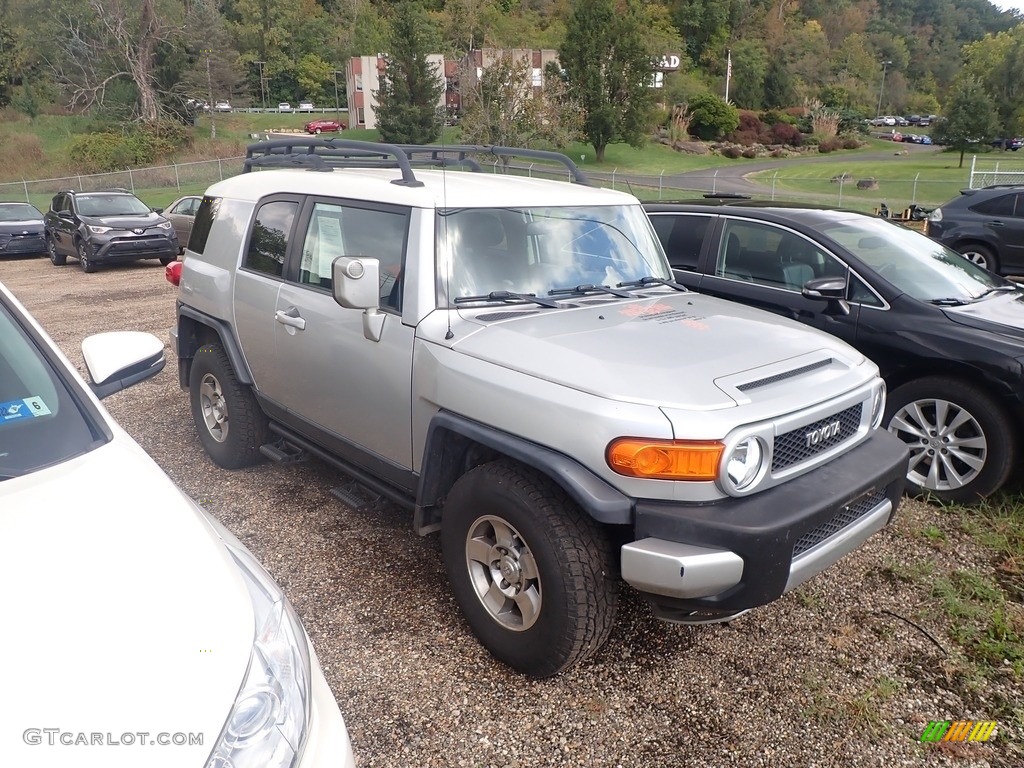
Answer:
(141, 61)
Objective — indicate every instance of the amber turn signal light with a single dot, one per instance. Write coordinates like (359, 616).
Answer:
(665, 459)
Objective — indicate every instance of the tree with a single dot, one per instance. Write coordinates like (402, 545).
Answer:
(970, 118)
(503, 109)
(608, 65)
(410, 89)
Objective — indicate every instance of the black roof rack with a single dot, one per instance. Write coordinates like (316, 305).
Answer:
(326, 154)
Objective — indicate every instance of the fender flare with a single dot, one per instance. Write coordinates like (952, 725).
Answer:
(449, 439)
(188, 343)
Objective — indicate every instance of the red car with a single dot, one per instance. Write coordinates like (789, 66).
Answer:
(319, 126)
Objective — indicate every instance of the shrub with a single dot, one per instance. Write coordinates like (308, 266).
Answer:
(851, 142)
(104, 151)
(732, 152)
(750, 153)
(785, 133)
(711, 117)
(831, 144)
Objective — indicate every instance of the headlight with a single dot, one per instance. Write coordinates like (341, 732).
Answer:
(268, 722)
(935, 215)
(99, 230)
(743, 464)
(878, 407)
(164, 225)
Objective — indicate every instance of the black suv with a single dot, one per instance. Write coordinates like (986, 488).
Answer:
(105, 228)
(985, 225)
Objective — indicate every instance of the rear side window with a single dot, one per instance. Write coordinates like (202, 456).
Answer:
(682, 237)
(208, 210)
(268, 243)
(997, 206)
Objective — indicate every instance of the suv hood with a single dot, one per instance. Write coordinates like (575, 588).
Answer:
(124, 612)
(682, 350)
(1002, 314)
(129, 221)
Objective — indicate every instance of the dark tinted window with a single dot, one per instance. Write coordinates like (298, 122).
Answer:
(997, 206)
(204, 221)
(682, 236)
(269, 240)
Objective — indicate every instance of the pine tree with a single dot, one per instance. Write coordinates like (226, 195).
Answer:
(410, 89)
(608, 70)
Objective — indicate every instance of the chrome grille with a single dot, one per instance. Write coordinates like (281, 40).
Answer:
(793, 446)
(847, 515)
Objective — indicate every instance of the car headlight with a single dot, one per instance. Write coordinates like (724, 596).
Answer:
(268, 722)
(164, 225)
(99, 230)
(878, 407)
(743, 464)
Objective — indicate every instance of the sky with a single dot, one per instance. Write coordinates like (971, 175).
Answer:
(1008, 4)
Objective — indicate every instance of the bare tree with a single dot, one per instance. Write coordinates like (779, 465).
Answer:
(115, 39)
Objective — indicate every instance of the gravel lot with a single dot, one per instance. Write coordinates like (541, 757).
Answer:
(827, 676)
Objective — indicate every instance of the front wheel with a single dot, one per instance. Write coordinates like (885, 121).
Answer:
(981, 255)
(317, 131)
(85, 257)
(530, 571)
(961, 444)
(231, 425)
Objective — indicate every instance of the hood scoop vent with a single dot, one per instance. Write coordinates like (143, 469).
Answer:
(494, 316)
(785, 375)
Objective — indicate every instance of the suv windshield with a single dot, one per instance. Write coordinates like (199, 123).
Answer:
(40, 422)
(538, 250)
(110, 205)
(19, 212)
(915, 264)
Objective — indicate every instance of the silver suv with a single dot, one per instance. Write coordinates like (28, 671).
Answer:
(511, 360)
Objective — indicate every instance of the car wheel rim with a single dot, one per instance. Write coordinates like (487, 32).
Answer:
(83, 256)
(947, 444)
(51, 249)
(977, 258)
(503, 573)
(214, 408)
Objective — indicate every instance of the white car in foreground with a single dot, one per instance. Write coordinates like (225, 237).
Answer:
(137, 630)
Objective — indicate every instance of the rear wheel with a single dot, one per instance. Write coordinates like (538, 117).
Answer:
(231, 425)
(85, 257)
(981, 255)
(57, 259)
(961, 443)
(530, 570)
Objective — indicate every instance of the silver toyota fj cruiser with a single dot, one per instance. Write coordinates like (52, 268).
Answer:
(510, 358)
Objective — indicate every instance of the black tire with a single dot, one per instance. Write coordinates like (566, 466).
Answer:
(981, 255)
(508, 530)
(57, 259)
(85, 257)
(230, 423)
(974, 457)
(165, 260)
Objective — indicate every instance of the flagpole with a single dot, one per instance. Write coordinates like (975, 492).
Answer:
(728, 72)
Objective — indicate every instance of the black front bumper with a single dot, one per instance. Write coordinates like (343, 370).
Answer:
(132, 249)
(767, 530)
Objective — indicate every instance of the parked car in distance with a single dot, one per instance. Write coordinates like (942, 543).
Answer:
(986, 225)
(884, 120)
(284, 106)
(306, 106)
(177, 627)
(222, 106)
(182, 213)
(947, 336)
(109, 227)
(1012, 144)
(21, 229)
(324, 126)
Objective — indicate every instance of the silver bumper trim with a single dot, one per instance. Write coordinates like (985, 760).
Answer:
(832, 549)
(679, 570)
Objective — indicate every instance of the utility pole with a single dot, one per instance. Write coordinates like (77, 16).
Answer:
(263, 82)
(209, 96)
(728, 72)
(885, 65)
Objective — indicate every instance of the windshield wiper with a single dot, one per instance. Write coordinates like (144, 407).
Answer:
(643, 282)
(509, 298)
(949, 302)
(582, 290)
(997, 289)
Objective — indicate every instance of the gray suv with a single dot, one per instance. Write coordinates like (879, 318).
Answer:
(108, 227)
(510, 359)
(985, 225)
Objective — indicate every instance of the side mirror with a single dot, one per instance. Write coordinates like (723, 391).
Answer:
(830, 289)
(158, 210)
(64, 214)
(119, 359)
(355, 284)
